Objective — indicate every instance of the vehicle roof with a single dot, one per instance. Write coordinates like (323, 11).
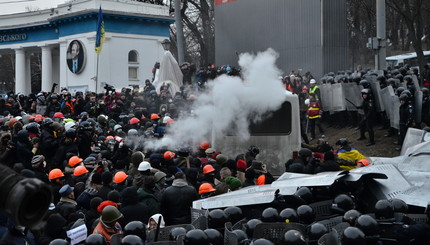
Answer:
(406, 56)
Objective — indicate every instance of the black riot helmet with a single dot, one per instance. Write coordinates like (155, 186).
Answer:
(316, 231)
(305, 152)
(95, 239)
(131, 240)
(353, 236)
(262, 241)
(135, 228)
(234, 214)
(399, 206)
(365, 91)
(70, 133)
(306, 214)
(270, 215)
(305, 194)
(293, 237)
(196, 237)
(404, 97)
(368, 225)
(250, 226)
(342, 142)
(217, 218)
(425, 91)
(289, 215)
(400, 77)
(365, 83)
(342, 203)
(47, 121)
(384, 210)
(351, 216)
(241, 236)
(408, 79)
(59, 242)
(381, 79)
(399, 90)
(214, 237)
(254, 150)
(176, 232)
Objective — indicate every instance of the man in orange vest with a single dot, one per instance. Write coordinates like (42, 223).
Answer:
(314, 114)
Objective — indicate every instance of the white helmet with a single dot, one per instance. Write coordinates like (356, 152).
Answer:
(307, 101)
(313, 81)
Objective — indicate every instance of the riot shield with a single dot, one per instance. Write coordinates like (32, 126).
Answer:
(416, 83)
(338, 98)
(418, 105)
(326, 93)
(386, 100)
(353, 94)
(376, 89)
(395, 118)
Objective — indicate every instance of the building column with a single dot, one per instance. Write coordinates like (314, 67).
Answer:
(20, 71)
(28, 74)
(46, 68)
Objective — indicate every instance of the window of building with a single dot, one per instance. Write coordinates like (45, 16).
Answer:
(132, 56)
(132, 73)
(133, 65)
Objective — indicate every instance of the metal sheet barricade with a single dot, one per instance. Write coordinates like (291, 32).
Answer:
(165, 231)
(275, 231)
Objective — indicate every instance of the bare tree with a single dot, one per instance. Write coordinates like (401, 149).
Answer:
(411, 12)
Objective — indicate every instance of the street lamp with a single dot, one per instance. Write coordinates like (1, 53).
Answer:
(166, 44)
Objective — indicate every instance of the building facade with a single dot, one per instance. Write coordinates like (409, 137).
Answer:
(65, 36)
(310, 35)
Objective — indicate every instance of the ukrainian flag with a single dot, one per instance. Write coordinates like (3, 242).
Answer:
(100, 36)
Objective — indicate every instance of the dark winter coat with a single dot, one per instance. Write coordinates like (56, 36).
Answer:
(148, 199)
(23, 149)
(131, 208)
(176, 202)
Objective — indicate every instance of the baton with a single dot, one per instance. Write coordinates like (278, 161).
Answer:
(351, 103)
(157, 231)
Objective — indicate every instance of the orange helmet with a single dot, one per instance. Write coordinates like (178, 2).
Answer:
(134, 120)
(208, 169)
(12, 122)
(169, 155)
(204, 145)
(365, 162)
(206, 188)
(261, 180)
(154, 116)
(109, 137)
(120, 177)
(59, 115)
(169, 121)
(75, 160)
(80, 170)
(55, 174)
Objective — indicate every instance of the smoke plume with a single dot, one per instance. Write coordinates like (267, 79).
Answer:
(230, 103)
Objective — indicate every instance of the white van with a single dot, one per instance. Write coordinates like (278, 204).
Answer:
(277, 137)
(403, 59)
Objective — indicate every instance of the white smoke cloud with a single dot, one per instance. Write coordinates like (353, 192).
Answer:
(230, 102)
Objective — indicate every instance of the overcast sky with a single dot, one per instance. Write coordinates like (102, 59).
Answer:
(17, 6)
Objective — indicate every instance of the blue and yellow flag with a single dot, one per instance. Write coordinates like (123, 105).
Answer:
(100, 36)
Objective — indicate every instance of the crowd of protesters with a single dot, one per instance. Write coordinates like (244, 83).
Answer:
(85, 146)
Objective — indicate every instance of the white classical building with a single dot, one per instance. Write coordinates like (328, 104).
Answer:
(66, 36)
